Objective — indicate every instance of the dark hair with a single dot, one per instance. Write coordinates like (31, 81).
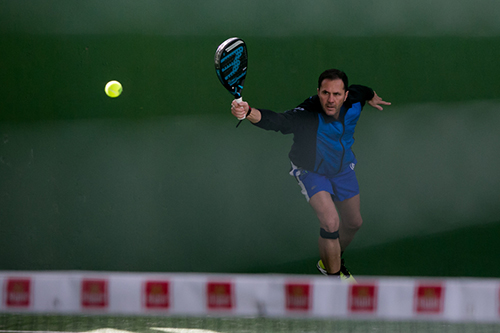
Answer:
(334, 74)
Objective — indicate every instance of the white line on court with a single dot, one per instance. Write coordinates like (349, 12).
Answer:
(182, 330)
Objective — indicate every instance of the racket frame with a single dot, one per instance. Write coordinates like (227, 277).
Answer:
(234, 85)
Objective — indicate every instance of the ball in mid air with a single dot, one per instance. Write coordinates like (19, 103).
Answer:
(113, 89)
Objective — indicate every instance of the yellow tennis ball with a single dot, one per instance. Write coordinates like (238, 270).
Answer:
(113, 89)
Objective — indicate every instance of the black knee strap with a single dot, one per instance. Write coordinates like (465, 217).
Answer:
(328, 235)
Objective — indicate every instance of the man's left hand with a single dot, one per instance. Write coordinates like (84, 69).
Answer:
(377, 101)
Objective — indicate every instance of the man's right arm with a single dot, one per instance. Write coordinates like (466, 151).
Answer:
(265, 119)
(240, 110)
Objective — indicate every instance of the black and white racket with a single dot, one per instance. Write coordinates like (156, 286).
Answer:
(231, 62)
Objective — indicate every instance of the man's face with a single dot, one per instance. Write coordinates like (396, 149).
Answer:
(332, 95)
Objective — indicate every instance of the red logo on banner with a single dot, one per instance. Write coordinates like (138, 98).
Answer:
(156, 295)
(220, 296)
(429, 299)
(94, 293)
(297, 296)
(362, 298)
(18, 292)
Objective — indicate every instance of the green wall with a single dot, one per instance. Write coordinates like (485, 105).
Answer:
(62, 77)
(160, 179)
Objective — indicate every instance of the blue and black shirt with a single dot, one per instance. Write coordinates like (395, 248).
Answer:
(321, 143)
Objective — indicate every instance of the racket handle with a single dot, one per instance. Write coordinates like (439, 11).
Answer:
(239, 100)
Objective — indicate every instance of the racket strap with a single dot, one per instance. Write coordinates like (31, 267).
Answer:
(249, 111)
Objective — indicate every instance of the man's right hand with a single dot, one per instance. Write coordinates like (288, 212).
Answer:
(239, 110)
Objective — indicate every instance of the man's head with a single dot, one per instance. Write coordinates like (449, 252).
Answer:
(332, 91)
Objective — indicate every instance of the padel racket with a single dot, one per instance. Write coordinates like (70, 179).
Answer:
(231, 61)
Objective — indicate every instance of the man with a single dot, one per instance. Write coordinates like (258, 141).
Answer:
(322, 158)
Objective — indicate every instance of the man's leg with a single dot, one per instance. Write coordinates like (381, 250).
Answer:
(329, 245)
(350, 219)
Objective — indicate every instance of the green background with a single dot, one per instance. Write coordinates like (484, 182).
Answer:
(160, 179)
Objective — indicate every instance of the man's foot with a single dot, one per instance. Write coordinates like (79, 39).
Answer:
(321, 268)
(345, 275)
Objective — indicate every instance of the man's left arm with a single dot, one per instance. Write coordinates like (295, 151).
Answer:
(363, 94)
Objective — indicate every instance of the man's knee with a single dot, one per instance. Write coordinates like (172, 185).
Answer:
(353, 224)
(330, 223)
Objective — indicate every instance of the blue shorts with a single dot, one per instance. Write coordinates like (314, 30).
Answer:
(342, 186)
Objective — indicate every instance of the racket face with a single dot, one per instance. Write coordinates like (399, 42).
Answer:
(231, 62)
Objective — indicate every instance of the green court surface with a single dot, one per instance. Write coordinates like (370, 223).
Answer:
(440, 255)
(156, 324)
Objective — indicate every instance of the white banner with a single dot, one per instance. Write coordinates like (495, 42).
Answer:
(454, 300)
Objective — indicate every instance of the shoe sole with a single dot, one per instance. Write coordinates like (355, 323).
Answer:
(320, 269)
